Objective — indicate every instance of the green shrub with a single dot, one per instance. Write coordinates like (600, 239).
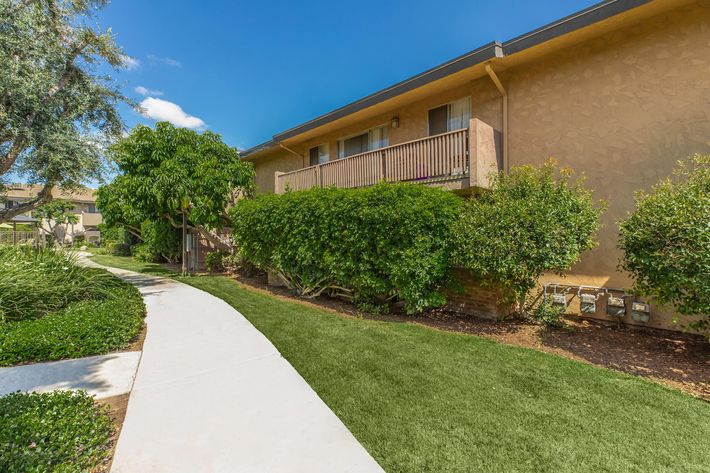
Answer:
(386, 242)
(59, 431)
(666, 240)
(532, 221)
(84, 328)
(549, 314)
(161, 242)
(214, 260)
(119, 249)
(36, 282)
(144, 253)
(233, 262)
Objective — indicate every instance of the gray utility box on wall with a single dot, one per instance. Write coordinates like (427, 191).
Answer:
(616, 307)
(587, 303)
(641, 312)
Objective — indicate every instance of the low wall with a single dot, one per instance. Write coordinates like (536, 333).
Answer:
(474, 299)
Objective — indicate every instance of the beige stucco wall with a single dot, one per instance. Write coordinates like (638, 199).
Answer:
(620, 109)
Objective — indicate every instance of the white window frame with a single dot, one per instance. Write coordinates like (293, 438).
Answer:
(322, 158)
(448, 118)
(385, 142)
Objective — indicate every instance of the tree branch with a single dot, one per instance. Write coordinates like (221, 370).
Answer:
(44, 196)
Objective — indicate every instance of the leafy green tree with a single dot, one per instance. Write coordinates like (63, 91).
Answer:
(167, 173)
(532, 221)
(666, 240)
(56, 212)
(56, 112)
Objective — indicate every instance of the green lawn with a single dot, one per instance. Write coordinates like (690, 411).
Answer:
(422, 400)
(126, 262)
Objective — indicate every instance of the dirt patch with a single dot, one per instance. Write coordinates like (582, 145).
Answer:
(137, 343)
(675, 359)
(117, 406)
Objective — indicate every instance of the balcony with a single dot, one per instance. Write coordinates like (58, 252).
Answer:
(90, 219)
(457, 159)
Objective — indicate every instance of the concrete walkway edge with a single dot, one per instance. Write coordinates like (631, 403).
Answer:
(213, 394)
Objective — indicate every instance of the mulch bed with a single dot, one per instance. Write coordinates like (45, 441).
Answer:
(675, 359)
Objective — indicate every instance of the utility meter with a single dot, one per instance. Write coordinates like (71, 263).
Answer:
(641, 312)
(587, 303)
(615, 306)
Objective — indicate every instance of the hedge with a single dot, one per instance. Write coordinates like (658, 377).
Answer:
(532, 221)
(666, 241)
(384, 243)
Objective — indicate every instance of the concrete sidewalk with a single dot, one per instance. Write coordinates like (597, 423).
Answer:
(212, 394)
(101, 376)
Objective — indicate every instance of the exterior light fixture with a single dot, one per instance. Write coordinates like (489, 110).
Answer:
(640, 312)
(395, 122)
(616, 307)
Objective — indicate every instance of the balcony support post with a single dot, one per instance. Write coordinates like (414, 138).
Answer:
(482, 152)
(277, 183)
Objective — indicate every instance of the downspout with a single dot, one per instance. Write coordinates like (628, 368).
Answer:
(499, 85)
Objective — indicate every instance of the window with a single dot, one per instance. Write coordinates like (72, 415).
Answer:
(373, 139)
(91, 208)
(319, 154)
(450, 117)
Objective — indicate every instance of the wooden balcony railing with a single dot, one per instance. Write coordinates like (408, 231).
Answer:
(440, 157)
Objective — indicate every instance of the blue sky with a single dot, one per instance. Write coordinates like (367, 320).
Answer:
(248, 70)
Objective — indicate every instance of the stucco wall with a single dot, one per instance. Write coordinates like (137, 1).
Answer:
(620, 109)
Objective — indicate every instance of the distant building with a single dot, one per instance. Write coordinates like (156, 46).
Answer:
(84, 201)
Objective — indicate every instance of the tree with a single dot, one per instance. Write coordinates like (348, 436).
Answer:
(56, 212)
(666, 240)
(532, 221)
(167, 173)
(56, 113)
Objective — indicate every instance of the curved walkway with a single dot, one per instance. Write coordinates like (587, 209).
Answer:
(212, 394)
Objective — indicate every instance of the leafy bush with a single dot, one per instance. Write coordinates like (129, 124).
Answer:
(84, 328)
(666, 240)
(36, 282)
(214, 260)
(532, 221)
(114, 235)
(161, 242)
(232, 262)
(549, 314)
(389, 241)
(56, 431)
(119, 249)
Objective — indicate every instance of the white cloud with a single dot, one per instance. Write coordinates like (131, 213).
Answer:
(130, 63)
(162, 110)
(145, 91)
(165, 60)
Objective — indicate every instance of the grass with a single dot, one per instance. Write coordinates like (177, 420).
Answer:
(52, 309)
(422, 400)
(131, 264)
(60, 431)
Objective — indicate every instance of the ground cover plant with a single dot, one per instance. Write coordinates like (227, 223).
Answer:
(666, 241)
(59, 431)
(383, 243)
(53, 309)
